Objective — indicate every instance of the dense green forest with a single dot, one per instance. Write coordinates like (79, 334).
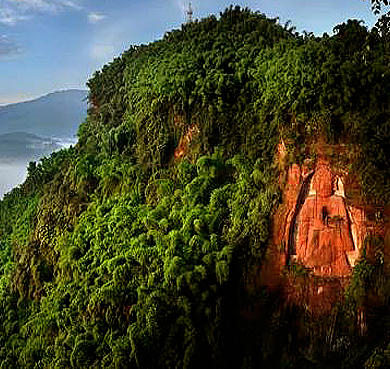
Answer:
(117, 253)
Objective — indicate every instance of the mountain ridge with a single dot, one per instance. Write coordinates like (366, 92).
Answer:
(147, 244)
(40, 97)
(58, 114)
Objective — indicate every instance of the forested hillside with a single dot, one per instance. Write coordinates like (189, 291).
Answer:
(143, 245)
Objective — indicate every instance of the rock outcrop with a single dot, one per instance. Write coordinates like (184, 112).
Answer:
(323, 235)
(185, 141)
(317, 228)
(317, 231)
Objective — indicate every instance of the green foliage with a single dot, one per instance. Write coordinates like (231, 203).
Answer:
(148, 278)
(114, 254)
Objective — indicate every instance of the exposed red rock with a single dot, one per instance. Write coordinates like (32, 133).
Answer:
(315, 226)
(317, 294)
(185, 141)
(323, 237)
(320, 231)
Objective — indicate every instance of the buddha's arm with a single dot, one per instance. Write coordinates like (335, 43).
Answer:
(302, 232)
(345, 227)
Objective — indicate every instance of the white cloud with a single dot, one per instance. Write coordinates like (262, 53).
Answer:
(71, 4)
(14, 11)
(10, 17)
(8, 47)
(95, 17)
(45, 5)
(28, 4)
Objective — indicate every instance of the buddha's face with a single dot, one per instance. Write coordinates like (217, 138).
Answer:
(322, 181)
(294, 174)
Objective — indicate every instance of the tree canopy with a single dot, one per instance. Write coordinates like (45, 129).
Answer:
(116, 254)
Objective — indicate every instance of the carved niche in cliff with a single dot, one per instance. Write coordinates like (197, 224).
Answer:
(321, 232)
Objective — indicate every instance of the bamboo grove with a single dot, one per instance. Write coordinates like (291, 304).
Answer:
(116, 254)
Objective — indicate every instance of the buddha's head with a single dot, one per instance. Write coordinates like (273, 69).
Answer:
(323, 179)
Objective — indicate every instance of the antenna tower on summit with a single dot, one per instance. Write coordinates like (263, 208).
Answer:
(189, 13)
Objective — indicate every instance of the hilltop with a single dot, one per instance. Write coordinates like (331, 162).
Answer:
(172, 234)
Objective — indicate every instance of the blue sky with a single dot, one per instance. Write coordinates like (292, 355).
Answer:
(48, 45)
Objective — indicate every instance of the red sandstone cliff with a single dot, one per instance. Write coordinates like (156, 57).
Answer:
(321, 231)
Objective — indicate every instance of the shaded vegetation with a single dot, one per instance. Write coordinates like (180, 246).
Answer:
(114, 254)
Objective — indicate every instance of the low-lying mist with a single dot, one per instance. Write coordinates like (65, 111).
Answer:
(17, 150)
(12, 174)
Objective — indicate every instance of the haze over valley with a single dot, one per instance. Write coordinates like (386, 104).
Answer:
(33, 129)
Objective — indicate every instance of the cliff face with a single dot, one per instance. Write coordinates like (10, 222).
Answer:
(321, 230)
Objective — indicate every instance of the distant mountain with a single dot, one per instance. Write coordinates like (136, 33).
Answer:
(57, 114)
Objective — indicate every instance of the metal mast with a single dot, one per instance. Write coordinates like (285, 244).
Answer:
(189, 13)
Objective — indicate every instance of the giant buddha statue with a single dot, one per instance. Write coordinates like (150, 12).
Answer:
(323, 237)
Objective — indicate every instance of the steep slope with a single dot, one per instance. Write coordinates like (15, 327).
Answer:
(149, 243)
